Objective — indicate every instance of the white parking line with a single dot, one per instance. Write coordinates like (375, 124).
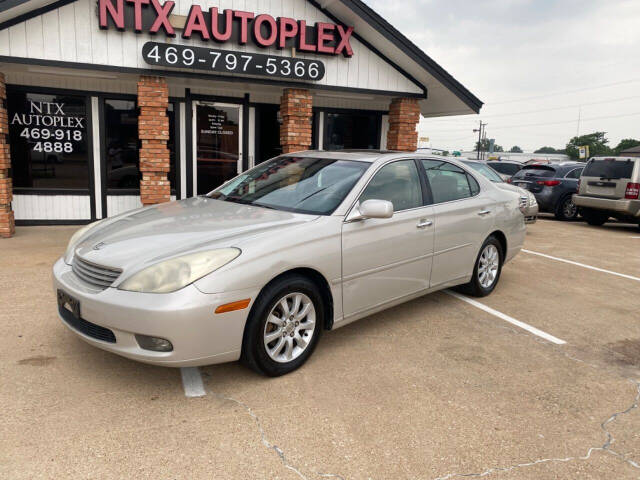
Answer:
(629, 277)
(192, 382)
(507, 318)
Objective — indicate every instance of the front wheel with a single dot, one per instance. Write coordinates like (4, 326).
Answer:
(284, 326)
(566, 209)
(487, 269)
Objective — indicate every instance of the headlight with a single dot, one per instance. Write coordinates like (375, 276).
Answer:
(532, 199)
(75, 238)
(176, 273)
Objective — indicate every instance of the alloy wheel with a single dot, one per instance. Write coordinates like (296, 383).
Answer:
(289, 327)
(488, 265)
(569, 209)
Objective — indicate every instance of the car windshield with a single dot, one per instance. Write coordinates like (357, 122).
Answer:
(505, 168)
(609, 168)
(294, 184)
(485, 170)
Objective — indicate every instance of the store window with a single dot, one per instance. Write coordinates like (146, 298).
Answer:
(351, 130)
(49, 141)
(122, 161)
(121, 144)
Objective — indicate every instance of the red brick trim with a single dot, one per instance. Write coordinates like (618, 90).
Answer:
(296, 109)
(404, 115)
(7, 221)
(153, 132)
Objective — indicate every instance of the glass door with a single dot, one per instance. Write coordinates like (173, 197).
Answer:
(217, 144)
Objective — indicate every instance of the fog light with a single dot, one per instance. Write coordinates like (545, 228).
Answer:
(154, 343)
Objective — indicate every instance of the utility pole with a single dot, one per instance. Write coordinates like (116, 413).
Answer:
(579, 114)
(481, 132)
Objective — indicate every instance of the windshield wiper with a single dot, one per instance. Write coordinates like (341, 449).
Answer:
(238, 200)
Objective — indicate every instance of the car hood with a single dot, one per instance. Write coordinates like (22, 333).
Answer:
(148, 235)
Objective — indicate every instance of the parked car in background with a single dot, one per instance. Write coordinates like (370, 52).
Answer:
(305, 242)
(553, 185)
(530, 209)
(610, 187)
(505, 168)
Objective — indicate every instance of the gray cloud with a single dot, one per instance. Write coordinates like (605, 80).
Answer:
(511, 49)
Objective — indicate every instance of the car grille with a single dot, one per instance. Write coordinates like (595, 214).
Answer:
(96, 275)
(89, 329)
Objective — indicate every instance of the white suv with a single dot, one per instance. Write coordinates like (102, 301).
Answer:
(610, 187)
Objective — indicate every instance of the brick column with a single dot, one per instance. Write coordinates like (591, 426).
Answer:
(7, 222)
(153, 131)
(404, 115)
(296, 109)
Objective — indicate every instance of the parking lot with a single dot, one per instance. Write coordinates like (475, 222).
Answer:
(438, 388)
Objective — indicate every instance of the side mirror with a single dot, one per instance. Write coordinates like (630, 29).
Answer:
(371, 209)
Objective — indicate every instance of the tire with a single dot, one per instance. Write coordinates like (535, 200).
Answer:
(270, 357)
(477, 287)
(566, 209)
(594, 217)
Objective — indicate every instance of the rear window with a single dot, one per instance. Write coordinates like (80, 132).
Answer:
(609, 168)
(505, 168)
(536, 172)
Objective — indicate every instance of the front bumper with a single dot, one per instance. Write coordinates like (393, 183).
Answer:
(531, 214)
(186, 318)
(623, 206)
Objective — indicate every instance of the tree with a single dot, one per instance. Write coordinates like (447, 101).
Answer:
(515, 149)
(597, 142)
(625, 144)
(547, 150)
(484, 146)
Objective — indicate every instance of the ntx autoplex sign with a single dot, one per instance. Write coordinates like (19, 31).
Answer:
(154, 16)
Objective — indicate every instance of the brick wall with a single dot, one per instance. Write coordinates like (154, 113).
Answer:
(7, 222)
(404, 115)
(296, 109)
(153, 132)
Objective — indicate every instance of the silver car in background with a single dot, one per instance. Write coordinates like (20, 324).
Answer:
(302, 243)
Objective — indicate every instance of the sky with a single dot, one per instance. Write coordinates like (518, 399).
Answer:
(538, 66)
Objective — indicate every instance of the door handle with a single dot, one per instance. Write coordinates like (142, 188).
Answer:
(484, 212)
(424, 224)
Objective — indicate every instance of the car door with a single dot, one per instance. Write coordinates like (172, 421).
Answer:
(387, 259)
(463, 217)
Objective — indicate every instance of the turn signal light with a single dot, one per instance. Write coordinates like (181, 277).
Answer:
(233, 306)
(633, 191)
(549, 183)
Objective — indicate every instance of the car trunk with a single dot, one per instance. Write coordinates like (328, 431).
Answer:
(606, 178)
(531, 177)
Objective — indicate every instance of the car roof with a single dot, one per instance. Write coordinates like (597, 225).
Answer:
(369, 156)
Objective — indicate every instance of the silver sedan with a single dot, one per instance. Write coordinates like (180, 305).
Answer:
(302, 243)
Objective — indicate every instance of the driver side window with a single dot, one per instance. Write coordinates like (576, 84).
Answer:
(398, 183)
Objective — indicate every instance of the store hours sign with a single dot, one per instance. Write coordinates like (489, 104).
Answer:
(167, 55)
(49, 127)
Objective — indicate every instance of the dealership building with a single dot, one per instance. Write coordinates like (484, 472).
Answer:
(109, 105)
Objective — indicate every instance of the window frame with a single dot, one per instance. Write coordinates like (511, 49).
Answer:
(90, 190)
(467, 172)
(378, 114)
(573, 170)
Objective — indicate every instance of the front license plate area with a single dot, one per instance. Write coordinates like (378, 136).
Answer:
(68, 302)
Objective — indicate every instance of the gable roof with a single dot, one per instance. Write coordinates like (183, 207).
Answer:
(446, 95)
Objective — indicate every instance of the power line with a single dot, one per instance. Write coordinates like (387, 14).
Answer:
(462, 128)
(633, 80)
(493, 115)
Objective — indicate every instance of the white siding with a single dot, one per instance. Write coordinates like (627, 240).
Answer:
(71, 34)
(52, 207)
(117, 204)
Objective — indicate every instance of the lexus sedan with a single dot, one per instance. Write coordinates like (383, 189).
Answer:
(258, 268)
